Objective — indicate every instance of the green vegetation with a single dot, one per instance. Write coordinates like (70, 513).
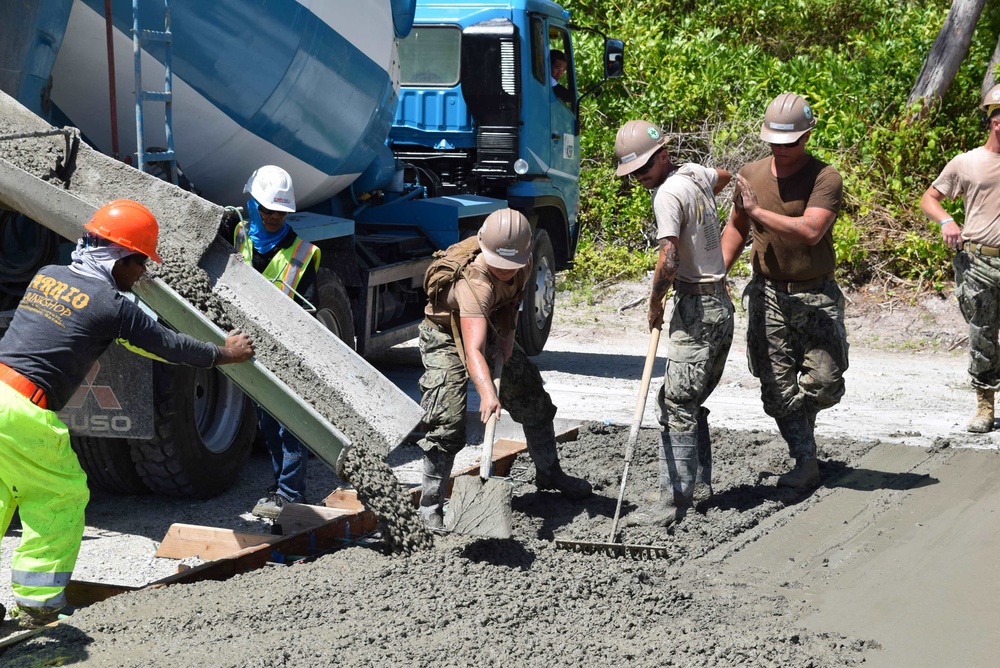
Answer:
(705, 72)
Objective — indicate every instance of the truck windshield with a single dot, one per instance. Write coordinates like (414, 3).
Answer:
(429, 56)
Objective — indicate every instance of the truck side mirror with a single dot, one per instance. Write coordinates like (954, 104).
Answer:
(614, 58)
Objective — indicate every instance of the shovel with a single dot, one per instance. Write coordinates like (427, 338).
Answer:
(480, 505)
(611, 547)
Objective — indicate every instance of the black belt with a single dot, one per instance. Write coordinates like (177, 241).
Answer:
(980, 249)
(714, 288)
(791, 287)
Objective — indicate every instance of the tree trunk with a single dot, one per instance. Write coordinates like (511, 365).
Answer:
(947, 54)
(990, 79)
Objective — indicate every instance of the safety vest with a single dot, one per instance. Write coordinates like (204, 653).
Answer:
(287, 266)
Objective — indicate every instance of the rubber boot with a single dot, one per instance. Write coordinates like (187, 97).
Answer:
(433, 486)
(798, 433)
(678, 473)
(703, 484)
(982, 421)
(541, 442)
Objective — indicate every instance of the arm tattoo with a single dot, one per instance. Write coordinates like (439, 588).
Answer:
(665, 272)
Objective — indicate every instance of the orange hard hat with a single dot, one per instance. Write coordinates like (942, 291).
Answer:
(129, 224)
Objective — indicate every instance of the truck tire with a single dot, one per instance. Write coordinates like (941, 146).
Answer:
(108, 464)
(204, 429)
(535, 319)
(333, 308)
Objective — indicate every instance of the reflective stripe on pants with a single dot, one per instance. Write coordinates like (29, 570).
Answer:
(41, 477)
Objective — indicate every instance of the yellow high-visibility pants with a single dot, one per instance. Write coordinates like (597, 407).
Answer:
(40, 476)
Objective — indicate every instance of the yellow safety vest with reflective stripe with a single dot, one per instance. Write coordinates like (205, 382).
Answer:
(287, 266)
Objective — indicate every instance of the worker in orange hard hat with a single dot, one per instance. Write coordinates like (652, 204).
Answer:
(68, 317)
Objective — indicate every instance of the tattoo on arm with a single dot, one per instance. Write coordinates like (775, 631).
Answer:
(667, 268)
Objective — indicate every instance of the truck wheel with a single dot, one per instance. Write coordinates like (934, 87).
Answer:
(108, 463)
(333, 308)
(204, 430)
(535, 319)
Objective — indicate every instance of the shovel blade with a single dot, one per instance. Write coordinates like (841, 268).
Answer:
(480, 507)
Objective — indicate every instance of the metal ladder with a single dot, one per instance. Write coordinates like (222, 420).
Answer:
(139, 38)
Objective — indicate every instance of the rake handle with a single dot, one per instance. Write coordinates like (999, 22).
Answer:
(633, 435)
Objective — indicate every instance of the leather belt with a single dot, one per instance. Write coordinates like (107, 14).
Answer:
(714, 288)
(980, 249)
(444, 329)
(16, 381)
(791, 287)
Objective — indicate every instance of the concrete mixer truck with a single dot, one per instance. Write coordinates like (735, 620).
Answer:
(403, 123)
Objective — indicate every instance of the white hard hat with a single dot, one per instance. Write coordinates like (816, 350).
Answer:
(271, 186)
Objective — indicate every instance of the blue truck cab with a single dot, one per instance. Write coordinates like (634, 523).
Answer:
(480, 113)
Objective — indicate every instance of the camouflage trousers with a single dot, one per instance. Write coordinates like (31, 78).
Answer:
(701, 333)
(444, 391)
(797, 346)
(978, 291)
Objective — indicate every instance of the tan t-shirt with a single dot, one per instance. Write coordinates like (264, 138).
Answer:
(975, 176)
(817, 184)
(480, 296)
(684, 206)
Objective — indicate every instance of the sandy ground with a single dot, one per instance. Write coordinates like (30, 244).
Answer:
(889, 563)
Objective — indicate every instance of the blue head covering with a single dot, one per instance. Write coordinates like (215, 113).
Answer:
(263, 241)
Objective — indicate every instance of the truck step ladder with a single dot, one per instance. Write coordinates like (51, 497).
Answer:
(160, 159)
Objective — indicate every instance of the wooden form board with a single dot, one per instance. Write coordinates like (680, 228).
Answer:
(188, 540)
(341, 517)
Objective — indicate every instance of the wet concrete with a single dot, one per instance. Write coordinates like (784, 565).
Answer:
(505, 602)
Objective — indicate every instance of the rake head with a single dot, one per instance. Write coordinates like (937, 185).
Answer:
(613, 549)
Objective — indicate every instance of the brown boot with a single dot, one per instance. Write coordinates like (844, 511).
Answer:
(982, 421)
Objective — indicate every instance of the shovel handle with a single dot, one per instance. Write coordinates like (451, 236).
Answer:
(489, 435)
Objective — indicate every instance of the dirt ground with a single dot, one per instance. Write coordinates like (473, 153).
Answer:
(890, 562)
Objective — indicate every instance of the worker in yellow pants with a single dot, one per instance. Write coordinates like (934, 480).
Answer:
(41, 477)
(68, 317)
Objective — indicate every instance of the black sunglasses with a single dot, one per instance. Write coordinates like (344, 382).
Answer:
(789, 145)
(264, 211)
(648, 166)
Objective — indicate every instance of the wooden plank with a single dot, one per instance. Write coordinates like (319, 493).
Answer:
(297, 516)
(208, 543)
(80, 593)
(346, 499)
(20, 635)
(505, 451)
(310, 541)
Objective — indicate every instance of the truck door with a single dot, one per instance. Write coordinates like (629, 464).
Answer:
(551, 46)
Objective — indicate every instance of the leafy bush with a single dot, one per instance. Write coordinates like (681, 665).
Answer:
(704, 72)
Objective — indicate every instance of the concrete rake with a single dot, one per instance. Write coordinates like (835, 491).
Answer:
(612, 547)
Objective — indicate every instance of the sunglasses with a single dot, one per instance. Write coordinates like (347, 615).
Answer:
(790, 145)
(648, 166)
(264, 211)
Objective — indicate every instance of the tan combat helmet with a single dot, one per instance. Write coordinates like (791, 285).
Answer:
(505, 239)
(787, 118)
(635, 144)
(991, 101)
